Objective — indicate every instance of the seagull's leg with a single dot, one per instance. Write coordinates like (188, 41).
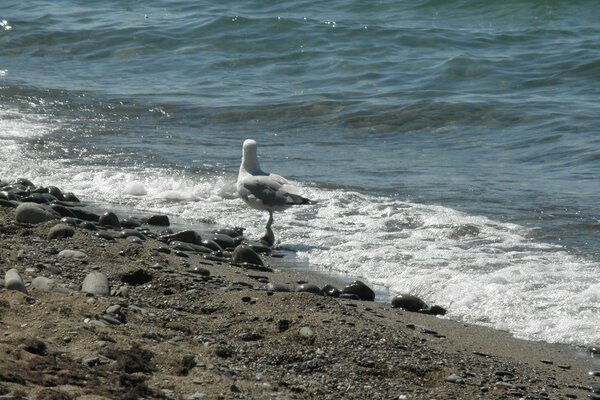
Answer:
(268, 238)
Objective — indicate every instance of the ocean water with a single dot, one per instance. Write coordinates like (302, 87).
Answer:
(453, 146)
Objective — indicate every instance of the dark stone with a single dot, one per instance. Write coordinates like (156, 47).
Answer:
(310, 288)
(158, 220)
(259, 247)
(131, 222)
(433, 310)
(40, 198)
(408, 302)
(8, 203)
(187, 236)
(60, 231)
(56, 192)
(90, 226)
(71, 197)
(23, 182)
(244, 254)
(225, 241)
(62, 210)
(211, 244)
(201, 271)
(231, 232)
(361, 290)
(331, 291)
(163, 249)
(137, 277)
(105, 236)
(277, 287)
(132, 232)
(85, 215)
(177, 245)
(110, 219)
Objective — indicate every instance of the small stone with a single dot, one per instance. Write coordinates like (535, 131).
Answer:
(408, 302)
(331, 291)
(453, 378)
(33, 213)
(131, 222)
(105, 235)
(126, 233)
(109, 219)
(43, 283)
(96, 283)
(245, 254)
(310, 288)
(201, 271)
(13, 281)
(278, 287)
(187, 236)
(361, 290)
(72, 255)
(158, 220)
(306, 332)
(60, 231)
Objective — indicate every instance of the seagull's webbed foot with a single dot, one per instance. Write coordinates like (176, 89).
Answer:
(268, 238)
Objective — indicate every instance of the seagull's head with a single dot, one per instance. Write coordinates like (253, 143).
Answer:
(249, 157)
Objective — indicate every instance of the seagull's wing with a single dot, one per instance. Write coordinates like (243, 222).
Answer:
(271, 191)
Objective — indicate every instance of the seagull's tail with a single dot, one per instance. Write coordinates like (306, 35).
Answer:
(299, 200)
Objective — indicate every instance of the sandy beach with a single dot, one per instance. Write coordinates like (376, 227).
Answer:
(106, 312)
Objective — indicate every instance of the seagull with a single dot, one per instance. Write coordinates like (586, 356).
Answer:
(265, 191)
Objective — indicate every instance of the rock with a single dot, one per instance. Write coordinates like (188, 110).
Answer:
(433, 310)
(105, 236)
(231, 232)
(331, 291)
(310, 288)
(244, 254)
(56, 192)
(226, 242)
(8, 203)
(158, 220)
(60, 231)
(278, 287)
(88, 225)
(361, 290)
(33, 213)
(306, 332)
(72, 255)
(42, 283)
(453, 378)
(109, 219)
(211, 244)
(187, 236)
(96, 283)
(131, 222)
(40, 198)
(70, 221)
(200, 271)
(408, 302)
(13, 281)
(23, 182)
(125, 233)
(258, 246)
(85, 215)
(349, 296)
(71, 197)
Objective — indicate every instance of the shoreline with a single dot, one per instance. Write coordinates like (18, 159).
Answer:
(178, 325)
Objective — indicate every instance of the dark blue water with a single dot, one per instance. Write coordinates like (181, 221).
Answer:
(423, 118)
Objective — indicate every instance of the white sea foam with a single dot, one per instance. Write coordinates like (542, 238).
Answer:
(481, 270)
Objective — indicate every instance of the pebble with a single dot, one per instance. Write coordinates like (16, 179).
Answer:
(359, 289)
(245, 254)
(110, 219)
(33, 213)
(90, 226)
(225, 241)
(453, 378)
(158, 220)
(187, 236)
(72, 255)
(105, 236)
(43, 283)
(60, 231)
(408, 302)
(306, 332)
(85, 215)
(131, 222)
(96, 283)
(278, 287)
(13, 281)
(331, 291)
(62, 210)
(125, 233)
(310, 288)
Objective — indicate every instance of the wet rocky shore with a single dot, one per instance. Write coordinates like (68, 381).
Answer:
(98, 305)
